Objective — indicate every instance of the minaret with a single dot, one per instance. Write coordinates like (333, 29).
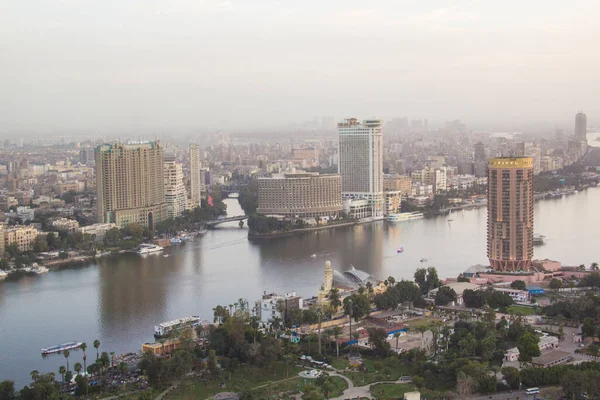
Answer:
(327, 283)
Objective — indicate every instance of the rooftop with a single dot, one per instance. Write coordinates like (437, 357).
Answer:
(551, 357)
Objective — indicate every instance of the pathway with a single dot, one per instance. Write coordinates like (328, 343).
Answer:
(354, 392)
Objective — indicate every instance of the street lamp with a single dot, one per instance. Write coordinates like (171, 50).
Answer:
(350, 316)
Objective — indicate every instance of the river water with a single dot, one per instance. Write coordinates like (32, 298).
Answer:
(119, 299)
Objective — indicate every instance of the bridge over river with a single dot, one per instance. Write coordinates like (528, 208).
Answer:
(212, 224)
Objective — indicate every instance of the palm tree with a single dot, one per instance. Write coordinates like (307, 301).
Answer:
(595, 266)
(77, 368)
(391, 280)
(231, 309)
(422, 329)
(97, 346)
(397, 336)
(35, 374)
(288, 358)
(61, 371)
(83, 348)
(67, 353)
(334, 298)
(370, 290)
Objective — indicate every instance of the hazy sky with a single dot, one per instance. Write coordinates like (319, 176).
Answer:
(155, 65)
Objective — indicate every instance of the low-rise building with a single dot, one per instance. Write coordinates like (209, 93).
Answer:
(159, 349)
(518, 296)
(22, 236)
(65, 224)
(393, 199)
(551, 359)
(270, 305)
(97, 229)
(546, 343)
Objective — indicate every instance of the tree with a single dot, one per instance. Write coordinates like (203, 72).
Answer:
(212, 362)
(422, 329)
(445, 295)
(518, 285)
(512, 376)
(77, 367)
(378, 341)
(39, 244)
(337, 331)
(97, 346)
(68, 377)
(35, 374)
(7, 390)
(67, 353)
(556, 284)
(83, 348)
(427, 279)
(62, 370)
(588, 329)
(358, 306)
(528, 347)
(397, 336)
(464, 384)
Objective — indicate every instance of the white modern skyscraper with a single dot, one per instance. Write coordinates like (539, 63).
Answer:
(195, 175)
(361, 161)
(175, 195)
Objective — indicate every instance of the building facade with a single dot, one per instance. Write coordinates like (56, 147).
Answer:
(130, 184)
(581, 126)
(175, 194)
(361, 161)
(65, 224)
(510, 213)
(401, 183)
(22, 236)
(300, 195)
(195, 175)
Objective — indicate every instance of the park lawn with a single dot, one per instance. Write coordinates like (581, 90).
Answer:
(413, 323)
(397, 390)
(244, 377)
(521, 310)
(392, 371)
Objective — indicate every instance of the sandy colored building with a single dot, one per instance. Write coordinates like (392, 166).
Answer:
(510, 213)
(22, 236)
(300, 195)
(401, 183)
(130, 184)
(175, 194)
(195, 175)
(159, 349)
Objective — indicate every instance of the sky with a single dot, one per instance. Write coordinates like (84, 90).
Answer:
(167, 65)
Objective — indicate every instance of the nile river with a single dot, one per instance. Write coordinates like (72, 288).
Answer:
(119, 299)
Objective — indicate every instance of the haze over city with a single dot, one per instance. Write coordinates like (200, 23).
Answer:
(197, 66)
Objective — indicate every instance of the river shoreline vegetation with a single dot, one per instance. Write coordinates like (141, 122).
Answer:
(241, 354)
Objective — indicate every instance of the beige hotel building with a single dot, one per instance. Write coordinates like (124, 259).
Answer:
(510, 213)
(130, 184)
(300, 195)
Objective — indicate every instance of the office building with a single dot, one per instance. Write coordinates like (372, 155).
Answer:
(273, 305)
(581, 127)
(401, 183)
(361, 162)
(510, 213)
(130, 184)
(300, 195)
(195, 175)
(175, 195)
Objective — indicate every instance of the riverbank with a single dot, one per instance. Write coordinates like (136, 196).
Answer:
(263, 236)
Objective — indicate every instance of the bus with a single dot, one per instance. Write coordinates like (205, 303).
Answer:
(533, 390)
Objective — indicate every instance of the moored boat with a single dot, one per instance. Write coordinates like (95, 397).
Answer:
(176, 325)
(149, 248)
(405, 216)
(61, 347)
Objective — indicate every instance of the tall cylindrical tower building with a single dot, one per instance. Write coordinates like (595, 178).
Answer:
(510, 213)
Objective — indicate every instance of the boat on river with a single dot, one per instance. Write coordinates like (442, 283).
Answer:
(149, 248)
(61, 347)
(409, 216)
(167, 328)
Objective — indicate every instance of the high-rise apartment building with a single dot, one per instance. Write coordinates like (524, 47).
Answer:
(130, 184)
(581, 126)
(175, 194)
(361, 161)
(510, 213)
(195, 175)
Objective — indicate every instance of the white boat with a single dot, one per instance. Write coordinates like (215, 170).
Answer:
(166, 328)
(175, 240)
(538, 239)
(61, 347)
(405, 216)
(3, 275)
(149, 248)
(313, 256)
(39, 270)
